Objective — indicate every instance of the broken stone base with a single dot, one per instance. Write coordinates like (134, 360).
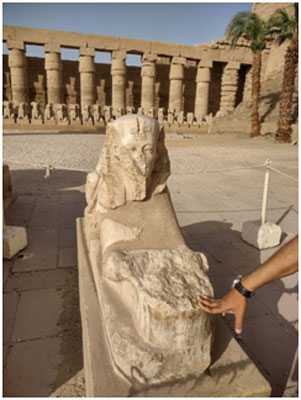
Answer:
(14, 240)
(262, 236)
(231, 374)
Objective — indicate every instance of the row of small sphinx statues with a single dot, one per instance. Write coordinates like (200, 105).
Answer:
(95, 114)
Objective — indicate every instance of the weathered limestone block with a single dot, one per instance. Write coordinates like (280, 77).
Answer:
(146, 278)
(261, 236)
(14, 240)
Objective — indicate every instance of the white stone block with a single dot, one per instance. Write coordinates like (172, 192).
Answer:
(14, 240)
(262, 236)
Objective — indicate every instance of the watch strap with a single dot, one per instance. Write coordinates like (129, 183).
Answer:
(242, 290)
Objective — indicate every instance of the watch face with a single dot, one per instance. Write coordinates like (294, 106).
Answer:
(236, 280)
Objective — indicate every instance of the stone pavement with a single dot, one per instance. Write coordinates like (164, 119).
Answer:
(42, 333)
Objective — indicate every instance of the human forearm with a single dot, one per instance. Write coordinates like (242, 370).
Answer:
(284, 262)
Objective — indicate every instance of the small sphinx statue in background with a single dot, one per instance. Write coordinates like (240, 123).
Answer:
(147, 279)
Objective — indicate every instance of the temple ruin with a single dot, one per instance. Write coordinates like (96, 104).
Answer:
(179, 85)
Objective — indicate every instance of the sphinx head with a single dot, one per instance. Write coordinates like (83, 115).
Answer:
(135, 154)
(136, 145)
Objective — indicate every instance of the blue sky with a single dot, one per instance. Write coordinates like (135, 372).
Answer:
(184, 23)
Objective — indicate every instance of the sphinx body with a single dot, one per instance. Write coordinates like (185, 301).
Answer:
(147, 279)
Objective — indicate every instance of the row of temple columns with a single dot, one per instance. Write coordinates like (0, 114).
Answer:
(53, 67)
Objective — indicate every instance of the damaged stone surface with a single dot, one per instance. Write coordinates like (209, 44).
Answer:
(164, 335)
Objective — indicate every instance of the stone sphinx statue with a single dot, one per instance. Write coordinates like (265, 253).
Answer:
(8, 110)
(73, 110)
(36, 113)
(147, 279)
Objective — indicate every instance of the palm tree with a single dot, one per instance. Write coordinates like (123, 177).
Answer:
(285, 27)
(251, 27)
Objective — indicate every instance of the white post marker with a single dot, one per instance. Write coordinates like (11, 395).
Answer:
(265, 193)
(260, 233)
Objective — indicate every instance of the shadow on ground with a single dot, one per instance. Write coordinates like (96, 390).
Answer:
(268, 338)
(48, 208)
(34, 181)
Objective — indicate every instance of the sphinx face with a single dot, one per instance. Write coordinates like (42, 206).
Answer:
(138, 147)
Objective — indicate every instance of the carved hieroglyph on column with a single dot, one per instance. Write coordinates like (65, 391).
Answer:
(147, 279)
(176, 76)
(87, 77)
(118, 71)
(148, 75)
(202, 88)
(53, 67)
(18, 72)
(229, 88)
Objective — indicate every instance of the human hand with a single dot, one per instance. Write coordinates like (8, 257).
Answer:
(233, 303)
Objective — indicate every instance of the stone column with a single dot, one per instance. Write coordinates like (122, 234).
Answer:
(229, 88)
(202, 88)
(176, 76)
(53, 66)
(148, 75)
(18, 72)
(118, 71)
(87, 77)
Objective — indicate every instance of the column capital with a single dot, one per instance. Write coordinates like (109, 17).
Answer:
(205, 64)
(86, 64)
(119, 55)
(52, 48)
(179, 60)
(149, 58)
(203, 75)
(15, 44)
(87, 51)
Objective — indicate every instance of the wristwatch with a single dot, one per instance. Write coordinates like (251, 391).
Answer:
(240, 288)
